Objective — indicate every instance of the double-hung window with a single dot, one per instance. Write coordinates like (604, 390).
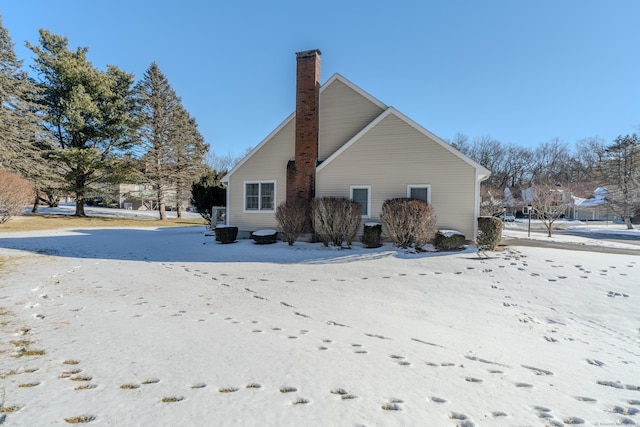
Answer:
(420, 192)
(361, 194)
(259, 196)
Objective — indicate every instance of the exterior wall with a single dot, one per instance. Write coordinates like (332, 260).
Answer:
(343, 113)
(393, 155)
(268, 163)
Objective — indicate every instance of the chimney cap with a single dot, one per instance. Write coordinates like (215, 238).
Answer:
(307, 53)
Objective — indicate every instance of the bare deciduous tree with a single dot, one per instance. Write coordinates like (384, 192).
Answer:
(15, 193)
(549, 203)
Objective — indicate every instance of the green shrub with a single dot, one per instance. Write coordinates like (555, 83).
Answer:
(371, 235)
(265, 237)
(336, 220)
(489, 232)
(447, 240)
(226, 234)
(408, 222)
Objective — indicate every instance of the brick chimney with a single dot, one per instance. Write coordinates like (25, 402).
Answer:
(301, 171)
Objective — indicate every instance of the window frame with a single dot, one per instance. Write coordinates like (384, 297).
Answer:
(427, 186)
(362, 187)
(260, 209)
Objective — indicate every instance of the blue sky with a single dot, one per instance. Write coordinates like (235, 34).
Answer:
(523, 72)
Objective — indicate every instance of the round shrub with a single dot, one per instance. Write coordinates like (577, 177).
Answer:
(489, 232)
(408, 222)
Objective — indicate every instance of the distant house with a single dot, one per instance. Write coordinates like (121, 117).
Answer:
(341, 141)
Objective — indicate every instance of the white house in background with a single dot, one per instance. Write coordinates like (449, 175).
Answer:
(341, 141)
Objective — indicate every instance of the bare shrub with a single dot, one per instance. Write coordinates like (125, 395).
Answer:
(15, 193)
(408, 222)
(291, 215)
(336, 220)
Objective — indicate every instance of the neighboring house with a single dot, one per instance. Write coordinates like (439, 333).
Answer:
(343, 142)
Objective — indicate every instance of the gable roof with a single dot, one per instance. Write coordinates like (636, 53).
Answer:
(335, 77)
(481, 170)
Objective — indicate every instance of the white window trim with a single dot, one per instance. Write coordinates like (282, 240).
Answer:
(244, 196)
(362, 187)
(427, 186)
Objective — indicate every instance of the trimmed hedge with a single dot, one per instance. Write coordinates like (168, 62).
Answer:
(264, 237)
(489, 232)
(226, 234)
(371, 235)
(447, 240)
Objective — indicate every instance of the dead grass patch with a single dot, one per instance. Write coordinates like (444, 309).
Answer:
(81, 378)
(31, 384)
(85, 387)
(70, 362)
(30, 352)
(10, 409)
(228, 389)
(81, 419)
(50, 222)
(129, 386)
(172, 399)
(151, 381)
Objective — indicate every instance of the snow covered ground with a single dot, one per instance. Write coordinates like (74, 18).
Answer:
(166, 327)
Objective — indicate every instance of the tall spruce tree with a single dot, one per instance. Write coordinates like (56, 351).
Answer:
(173, 147)
(188, 150)
(620, 173)
(24, 143)
(89, 112)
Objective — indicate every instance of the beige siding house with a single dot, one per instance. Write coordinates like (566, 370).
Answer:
(366, 151)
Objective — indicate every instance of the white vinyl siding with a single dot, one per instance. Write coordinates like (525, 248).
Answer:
(420, 192)
(361, 194)
(259, 196)
(393, 155)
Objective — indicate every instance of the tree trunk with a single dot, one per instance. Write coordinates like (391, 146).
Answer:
(161, 205)
(627, 221)
(178, 210)
(80, 206)
(36, 203)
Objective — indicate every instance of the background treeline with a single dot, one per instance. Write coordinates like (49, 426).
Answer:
(576, 168)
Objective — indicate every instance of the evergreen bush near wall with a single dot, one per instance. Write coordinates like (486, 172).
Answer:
(448, 240)
(226, 234)
(489, 232)
(371, 235)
